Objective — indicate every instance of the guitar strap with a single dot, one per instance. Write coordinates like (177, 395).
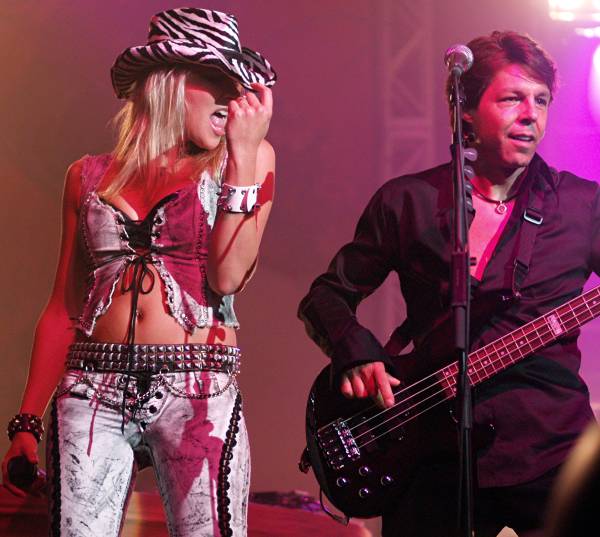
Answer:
(532, 220)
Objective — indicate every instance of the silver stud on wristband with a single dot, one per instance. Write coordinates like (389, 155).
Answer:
(26, 423)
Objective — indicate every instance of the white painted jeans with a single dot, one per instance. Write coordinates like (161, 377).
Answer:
(198, 447)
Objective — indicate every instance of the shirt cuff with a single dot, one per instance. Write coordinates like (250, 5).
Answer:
(358, 346)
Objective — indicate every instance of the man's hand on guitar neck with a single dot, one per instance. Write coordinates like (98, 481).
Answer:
(369, 380)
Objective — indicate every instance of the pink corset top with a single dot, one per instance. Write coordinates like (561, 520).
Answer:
(173, 237)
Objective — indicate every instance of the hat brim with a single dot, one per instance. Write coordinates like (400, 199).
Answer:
(247, 67)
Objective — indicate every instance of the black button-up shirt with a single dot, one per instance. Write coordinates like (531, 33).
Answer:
(538, 406)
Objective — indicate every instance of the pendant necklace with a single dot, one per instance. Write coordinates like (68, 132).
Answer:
(501, 207)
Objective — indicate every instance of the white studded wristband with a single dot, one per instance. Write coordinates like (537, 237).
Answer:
(238, 199)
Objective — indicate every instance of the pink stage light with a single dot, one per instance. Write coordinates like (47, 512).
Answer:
(582, 11)
(594, 92)
(592, 33)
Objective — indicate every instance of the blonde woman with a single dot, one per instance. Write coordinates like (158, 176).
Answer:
(157, 238)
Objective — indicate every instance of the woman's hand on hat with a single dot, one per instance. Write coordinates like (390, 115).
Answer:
(248, 120)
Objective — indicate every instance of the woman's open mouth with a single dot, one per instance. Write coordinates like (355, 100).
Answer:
(218, 120)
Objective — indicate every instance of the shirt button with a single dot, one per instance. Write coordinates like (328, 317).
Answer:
(158, 395)
(152, 409)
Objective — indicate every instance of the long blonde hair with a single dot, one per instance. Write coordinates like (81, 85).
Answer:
(151, 124)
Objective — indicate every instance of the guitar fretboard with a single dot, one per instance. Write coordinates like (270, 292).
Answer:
(520, 343)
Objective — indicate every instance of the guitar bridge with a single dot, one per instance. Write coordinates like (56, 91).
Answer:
(337, 444)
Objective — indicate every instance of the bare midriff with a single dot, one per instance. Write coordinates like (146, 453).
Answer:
(154, 324)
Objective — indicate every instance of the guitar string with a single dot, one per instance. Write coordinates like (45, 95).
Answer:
(540, 334)
(406, 420)
(402, 406)
(436, 374)
(420, 381)
(396, 393)
(479, 360)
(419, 402)
(413, 416)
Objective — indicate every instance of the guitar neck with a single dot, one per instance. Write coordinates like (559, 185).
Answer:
(500, 354)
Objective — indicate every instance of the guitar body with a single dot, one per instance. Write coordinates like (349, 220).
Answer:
(364, 486)
(365, 457)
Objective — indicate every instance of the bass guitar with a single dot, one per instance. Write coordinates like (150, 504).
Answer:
(364, 457)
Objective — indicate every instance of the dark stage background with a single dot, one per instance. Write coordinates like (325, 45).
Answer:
(359, 101)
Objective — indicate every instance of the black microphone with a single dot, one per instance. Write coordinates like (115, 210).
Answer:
(458, 59)
(21, 472)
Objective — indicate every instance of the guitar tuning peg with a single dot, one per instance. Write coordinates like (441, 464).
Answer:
(470, 154)
(469, 172)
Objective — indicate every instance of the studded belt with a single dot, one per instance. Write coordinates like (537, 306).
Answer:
(119, 358)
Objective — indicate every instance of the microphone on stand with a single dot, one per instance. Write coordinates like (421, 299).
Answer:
(458, 59)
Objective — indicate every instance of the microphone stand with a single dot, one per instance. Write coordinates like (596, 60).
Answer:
(460, 295)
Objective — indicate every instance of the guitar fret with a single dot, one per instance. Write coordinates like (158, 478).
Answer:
(448, 379)
(487, 365)
(569, 324)
(484, 363)
(576, 320)
(535, 338)
(515, 347)
(585, 315)
(491, 363)
(573, 313)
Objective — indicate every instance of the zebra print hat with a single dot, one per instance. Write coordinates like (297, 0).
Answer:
(191, 36)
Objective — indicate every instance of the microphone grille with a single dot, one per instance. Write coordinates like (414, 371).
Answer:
(460, 55)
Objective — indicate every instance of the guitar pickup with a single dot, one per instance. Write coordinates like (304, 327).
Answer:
(338, 444)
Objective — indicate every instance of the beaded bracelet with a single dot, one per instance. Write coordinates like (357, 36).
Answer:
(26, 423)
(238, 199)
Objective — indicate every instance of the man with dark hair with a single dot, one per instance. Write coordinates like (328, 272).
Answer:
(521, 210)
